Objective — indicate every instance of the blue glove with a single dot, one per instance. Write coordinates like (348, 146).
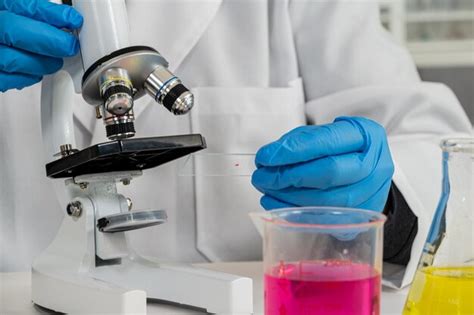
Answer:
(344, 164)
(32, 43)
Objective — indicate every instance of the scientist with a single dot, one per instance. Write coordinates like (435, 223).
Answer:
(258, 69)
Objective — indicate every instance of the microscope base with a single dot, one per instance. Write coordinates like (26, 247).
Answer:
(69, 278)
(80, 294)
(123, 289)
(212, 291)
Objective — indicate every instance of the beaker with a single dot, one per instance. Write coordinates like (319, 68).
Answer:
(322, 260)
(444, 281)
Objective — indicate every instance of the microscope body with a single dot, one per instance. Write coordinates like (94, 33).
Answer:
(89, 268)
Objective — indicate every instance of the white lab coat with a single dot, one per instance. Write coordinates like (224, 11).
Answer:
(258, 68)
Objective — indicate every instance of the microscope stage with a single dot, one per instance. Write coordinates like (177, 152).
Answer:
(125, 155)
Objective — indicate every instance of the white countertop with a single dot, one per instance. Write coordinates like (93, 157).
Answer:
(15, 292)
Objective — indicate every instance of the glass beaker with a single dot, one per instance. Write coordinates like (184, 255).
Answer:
(444, 281)
(322, 260)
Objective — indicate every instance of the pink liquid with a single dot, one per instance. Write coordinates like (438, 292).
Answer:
(322, 288)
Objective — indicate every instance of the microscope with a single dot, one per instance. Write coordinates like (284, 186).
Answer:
(88, 268)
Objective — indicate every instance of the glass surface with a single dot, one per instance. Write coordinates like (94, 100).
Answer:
(219, 192)
(440, 31)
(444, 281)
(441, 22)
(218, 164)
(439, 5)
(322, 260)
(128, 221)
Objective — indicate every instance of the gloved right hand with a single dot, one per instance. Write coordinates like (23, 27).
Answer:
(343, 164)
(32, 42)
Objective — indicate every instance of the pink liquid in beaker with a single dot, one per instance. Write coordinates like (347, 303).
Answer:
(322, 288)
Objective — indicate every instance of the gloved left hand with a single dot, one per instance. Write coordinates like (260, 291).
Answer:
(345, 164)
(32, 40)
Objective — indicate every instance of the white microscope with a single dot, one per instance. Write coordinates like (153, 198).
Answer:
(88, 268)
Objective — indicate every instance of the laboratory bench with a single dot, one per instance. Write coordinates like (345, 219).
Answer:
(15, 292)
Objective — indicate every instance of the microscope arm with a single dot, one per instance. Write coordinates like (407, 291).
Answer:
(57, 100)
(57, 97)
(58, 90)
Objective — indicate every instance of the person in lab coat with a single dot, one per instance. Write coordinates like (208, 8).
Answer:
(258, 69)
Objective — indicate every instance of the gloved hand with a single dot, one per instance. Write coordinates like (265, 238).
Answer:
(346, 163)
(32, 43)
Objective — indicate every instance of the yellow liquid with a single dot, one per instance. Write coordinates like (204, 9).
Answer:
(442, 291)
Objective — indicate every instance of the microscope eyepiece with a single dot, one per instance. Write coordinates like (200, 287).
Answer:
(168, 90)
(118, 99)
(120, 130)
(178, 100)
(116, 91)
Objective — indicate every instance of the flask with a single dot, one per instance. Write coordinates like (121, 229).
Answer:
(444, 280)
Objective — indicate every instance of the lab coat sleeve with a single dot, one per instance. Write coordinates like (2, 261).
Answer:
(351, 66)
(400, 229)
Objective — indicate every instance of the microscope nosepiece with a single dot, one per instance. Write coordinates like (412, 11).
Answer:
(168, 90)
(113, 82)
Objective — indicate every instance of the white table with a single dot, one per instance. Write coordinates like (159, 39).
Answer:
(15, 292)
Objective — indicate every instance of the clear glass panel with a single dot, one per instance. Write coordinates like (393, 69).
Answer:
(222, 198)
(439, 5)
(217, 164)
(440, 31)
